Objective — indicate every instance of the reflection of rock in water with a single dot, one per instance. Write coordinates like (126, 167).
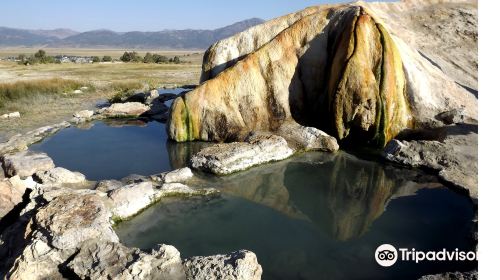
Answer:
(264, 185)
(340, 194)
(180, 153)
(125, 122)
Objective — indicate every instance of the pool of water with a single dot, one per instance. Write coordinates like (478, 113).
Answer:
(315, 216)
(116, 148)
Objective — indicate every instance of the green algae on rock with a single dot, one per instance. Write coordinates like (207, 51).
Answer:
(290, 77)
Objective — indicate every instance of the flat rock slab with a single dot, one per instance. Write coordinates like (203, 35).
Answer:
(227, 158)
(237, 265)
(26, 163)
(20, 142)
(59, 175)
(129, 109)
(454, 156)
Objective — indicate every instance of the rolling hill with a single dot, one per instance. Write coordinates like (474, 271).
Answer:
(166, 39)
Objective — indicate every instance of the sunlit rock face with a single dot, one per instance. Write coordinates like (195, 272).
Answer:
(333, 67)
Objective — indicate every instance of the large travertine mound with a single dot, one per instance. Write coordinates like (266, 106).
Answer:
(339, 68)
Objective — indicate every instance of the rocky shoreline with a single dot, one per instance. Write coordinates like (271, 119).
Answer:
(63, 231)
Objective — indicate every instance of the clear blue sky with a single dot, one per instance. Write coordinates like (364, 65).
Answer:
(143, 15)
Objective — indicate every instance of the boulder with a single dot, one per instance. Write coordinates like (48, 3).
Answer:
(339, 68)
(307, 138)
(178, 175)
(237, 265)
(58, 176)
(26, 163)
(110, 260)
(70, 219)
(131, 199)
(129, 109)
(10, 196)
(227, 158)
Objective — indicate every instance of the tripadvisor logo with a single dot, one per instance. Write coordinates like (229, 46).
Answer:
(387, 255)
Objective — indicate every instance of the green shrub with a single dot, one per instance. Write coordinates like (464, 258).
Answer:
(107, 58)
(96, 59)
(131, 57)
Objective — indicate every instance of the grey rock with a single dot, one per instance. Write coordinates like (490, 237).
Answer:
(237, 265)
(71, 219)
(454, 157)
(134, 178)
(307, 138)
(129, 109)
(58, 176)
(21, 142)
(452, 117)
(110, 260)
(129, 200)
(472, 275)
(178, 175)
(108, 185)
(181, 189)
(26, 163)
(227, 158)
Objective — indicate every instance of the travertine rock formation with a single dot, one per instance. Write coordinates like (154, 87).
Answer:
(339, 68)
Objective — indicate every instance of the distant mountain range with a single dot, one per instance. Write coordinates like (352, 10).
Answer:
(166, 39)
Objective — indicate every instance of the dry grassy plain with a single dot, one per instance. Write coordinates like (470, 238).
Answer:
(38, 110)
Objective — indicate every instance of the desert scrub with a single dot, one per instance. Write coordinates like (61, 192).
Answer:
(124, 90)
(34, 89)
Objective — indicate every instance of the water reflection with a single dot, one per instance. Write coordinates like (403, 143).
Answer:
(115, 148)
(339, 193)
(314, 216)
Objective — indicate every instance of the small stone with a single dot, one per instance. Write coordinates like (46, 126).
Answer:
(77, 91)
